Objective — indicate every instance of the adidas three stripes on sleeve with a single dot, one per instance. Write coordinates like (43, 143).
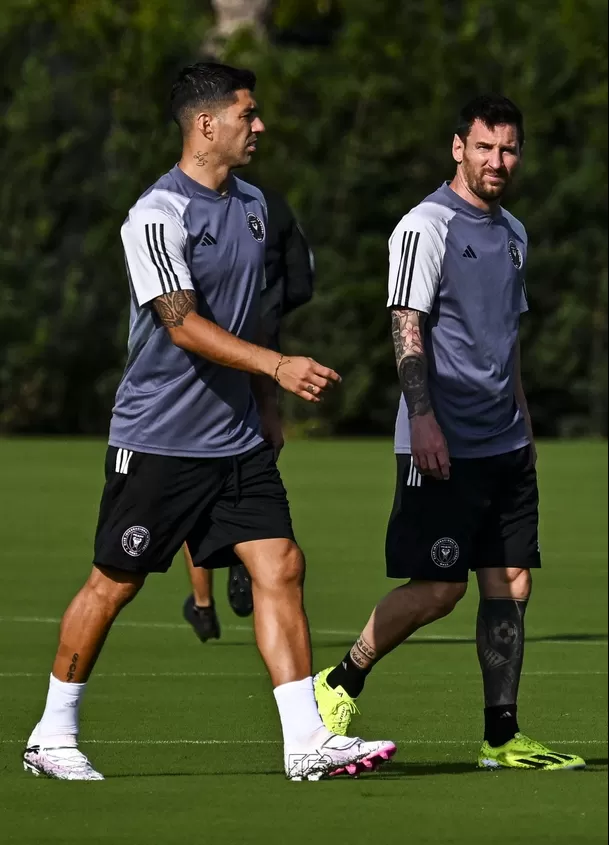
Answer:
(154, 250)
(415, 264)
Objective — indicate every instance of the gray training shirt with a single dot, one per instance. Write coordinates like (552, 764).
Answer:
(182, 236)
(465, 268)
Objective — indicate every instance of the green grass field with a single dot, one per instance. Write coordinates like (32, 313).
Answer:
(187, 734)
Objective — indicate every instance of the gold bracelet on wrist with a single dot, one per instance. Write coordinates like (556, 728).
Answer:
(276, 376)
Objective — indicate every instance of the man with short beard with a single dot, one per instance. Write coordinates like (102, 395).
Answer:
(466, 496)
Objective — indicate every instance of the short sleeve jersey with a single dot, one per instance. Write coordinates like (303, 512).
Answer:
(182, 236)
(465, 269)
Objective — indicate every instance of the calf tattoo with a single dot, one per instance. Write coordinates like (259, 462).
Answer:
(72, 669)
(363, 654)
(406, 328)
(500, 642)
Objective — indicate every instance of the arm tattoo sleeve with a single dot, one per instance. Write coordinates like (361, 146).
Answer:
(172, 308)
(406, 327)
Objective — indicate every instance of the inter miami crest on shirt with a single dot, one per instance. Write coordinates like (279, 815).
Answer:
(256, 226)
(515, 255)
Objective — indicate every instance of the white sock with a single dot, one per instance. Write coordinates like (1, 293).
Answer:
(60, 718)
(300, 720)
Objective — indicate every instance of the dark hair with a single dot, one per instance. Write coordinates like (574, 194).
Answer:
(492, 110)
(206, 84)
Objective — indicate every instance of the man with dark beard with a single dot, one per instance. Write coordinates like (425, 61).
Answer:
(466, 496)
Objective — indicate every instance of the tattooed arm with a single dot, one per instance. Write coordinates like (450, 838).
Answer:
(177, 311)
(429, 449)
(407, 327)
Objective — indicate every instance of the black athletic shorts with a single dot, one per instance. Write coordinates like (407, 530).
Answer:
(152, 504)
(485, 515)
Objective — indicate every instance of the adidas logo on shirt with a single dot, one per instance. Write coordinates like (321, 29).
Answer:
(469, 252)
(208, 240)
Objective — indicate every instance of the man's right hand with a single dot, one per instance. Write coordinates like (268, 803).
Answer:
(305, 377)
(429, 447)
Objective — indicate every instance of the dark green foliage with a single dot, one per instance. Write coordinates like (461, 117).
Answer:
(359, 130)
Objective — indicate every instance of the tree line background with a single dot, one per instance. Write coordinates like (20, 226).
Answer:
(360, 100)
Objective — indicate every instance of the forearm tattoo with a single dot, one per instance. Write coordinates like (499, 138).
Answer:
(406, 328)
(363, 654)
(173, 308)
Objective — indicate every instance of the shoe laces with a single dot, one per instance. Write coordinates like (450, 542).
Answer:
(529, 743)
(344, 710)
(71, 757)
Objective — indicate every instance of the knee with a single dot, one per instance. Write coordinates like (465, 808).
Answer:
(509, 582)
(114, 588)
(285, 569)
(446, 596)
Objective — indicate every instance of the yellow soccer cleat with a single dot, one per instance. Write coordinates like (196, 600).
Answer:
(336, 707)
(524, 753)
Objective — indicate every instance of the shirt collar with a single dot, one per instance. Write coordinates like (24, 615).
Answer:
(192, 186)
(455, 200)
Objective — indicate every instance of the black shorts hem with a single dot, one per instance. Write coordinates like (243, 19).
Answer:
(532, 563)
(124, 566)
(458, 577)
(222, 554)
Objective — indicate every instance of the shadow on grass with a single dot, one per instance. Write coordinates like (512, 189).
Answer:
(393, 771)
(418, 769)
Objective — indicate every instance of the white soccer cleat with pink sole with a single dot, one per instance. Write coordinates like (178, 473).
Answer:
(62, 760)
(337, 755)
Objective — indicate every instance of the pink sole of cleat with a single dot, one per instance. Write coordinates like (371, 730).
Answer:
(368, 764)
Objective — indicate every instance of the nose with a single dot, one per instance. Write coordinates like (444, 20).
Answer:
(495, 159)
(258, 126)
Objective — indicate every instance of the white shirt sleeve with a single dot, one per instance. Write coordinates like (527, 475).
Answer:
(416, 253)
(154, 245)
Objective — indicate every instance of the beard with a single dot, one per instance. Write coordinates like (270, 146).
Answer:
(479, 185)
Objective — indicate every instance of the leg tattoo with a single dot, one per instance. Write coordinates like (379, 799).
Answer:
(500, 641)
(363, 654)
(352, 671)
(73, 666)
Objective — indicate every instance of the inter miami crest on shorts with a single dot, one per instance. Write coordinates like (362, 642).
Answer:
(136, 540)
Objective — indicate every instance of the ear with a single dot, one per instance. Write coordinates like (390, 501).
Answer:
(204, 123)
(458, 149)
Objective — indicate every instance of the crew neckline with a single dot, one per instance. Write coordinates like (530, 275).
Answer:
(196, 187)
(466, 206)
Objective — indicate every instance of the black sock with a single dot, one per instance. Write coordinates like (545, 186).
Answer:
(500, 724)
(348, 676)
